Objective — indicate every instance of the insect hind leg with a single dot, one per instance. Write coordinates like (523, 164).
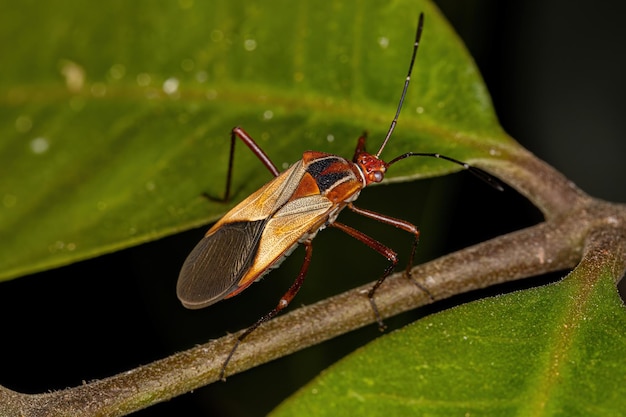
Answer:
(282, 304)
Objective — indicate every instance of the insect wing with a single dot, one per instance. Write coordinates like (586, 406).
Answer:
(215, 265)
(264, 202)
(298, 220)
(240, 247)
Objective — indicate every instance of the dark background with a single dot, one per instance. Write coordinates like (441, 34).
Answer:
(555, 71)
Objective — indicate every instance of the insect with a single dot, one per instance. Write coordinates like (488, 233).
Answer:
(262, 230)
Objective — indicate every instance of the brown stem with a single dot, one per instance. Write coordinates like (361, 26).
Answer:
(548, 247)
(576, 224)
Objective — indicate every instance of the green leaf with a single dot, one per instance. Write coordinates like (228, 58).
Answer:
(554, 350)
(115, 116)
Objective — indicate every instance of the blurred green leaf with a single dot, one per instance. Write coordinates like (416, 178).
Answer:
(554, 350)
(115, 116)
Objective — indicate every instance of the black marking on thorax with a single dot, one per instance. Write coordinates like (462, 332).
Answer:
(327, 180)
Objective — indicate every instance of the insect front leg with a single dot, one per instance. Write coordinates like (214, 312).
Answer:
(282, 304)
(360, 146)
(238, 132)
(388, 253)
(402, 225)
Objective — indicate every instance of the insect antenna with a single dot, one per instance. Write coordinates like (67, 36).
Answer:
(489, 179)
(394, 122)
(475, 171)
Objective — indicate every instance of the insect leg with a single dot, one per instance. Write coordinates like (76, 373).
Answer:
(402, 225)
(360, 146)
(380, 248)
(238, 132)
(282, 303)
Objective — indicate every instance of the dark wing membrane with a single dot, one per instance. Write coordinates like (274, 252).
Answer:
(217, 263)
